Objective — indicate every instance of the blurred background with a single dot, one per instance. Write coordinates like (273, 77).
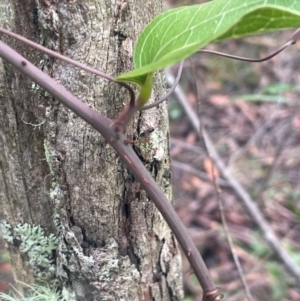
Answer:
(251, 114)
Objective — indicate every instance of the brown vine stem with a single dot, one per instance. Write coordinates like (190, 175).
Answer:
(245, 59)
(129, 109)
(126, 153)
(70, 61)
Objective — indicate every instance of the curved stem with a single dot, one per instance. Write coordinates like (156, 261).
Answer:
(70, 61)
(292, 41)
(120, 143)
(245, 59)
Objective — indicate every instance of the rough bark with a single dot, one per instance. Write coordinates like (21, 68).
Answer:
(59, 178)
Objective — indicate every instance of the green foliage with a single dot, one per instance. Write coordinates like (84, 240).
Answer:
(278, 280)
(294, 255)
(271, 93)
(146, 89)
(258, 246)
(263, 97)
(175, 110)
(178, 33)
(278, 88)
(34, 293)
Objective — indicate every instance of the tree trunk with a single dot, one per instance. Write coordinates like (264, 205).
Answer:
(72, 214)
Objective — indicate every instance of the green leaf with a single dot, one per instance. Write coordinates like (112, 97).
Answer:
(145, 91)
(178, 33)
(263, 97)
(278, 88)
(278, 280)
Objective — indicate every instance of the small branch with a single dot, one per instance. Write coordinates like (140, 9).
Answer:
(121, 145)
(292, 41)
(245, 59)
(70, 61)
(186, 145)
(248, 202)
(197, 173)
(230, 243)
(258, 285)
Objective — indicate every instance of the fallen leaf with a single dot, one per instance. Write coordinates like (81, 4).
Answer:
(219, 100)
(211, 169)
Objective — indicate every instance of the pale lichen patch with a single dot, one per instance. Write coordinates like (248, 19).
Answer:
(38, 247)
(151, 146)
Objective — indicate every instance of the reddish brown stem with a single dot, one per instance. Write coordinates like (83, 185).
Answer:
(103, 126)
(246, 59)
(124, 117)
(212, 295)
(70, 61)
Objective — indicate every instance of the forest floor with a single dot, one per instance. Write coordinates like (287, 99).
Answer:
(251, 112)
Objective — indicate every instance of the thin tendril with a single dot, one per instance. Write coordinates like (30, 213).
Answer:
(292, 41)
(70, 61)
(245, 59)
(294, 37)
